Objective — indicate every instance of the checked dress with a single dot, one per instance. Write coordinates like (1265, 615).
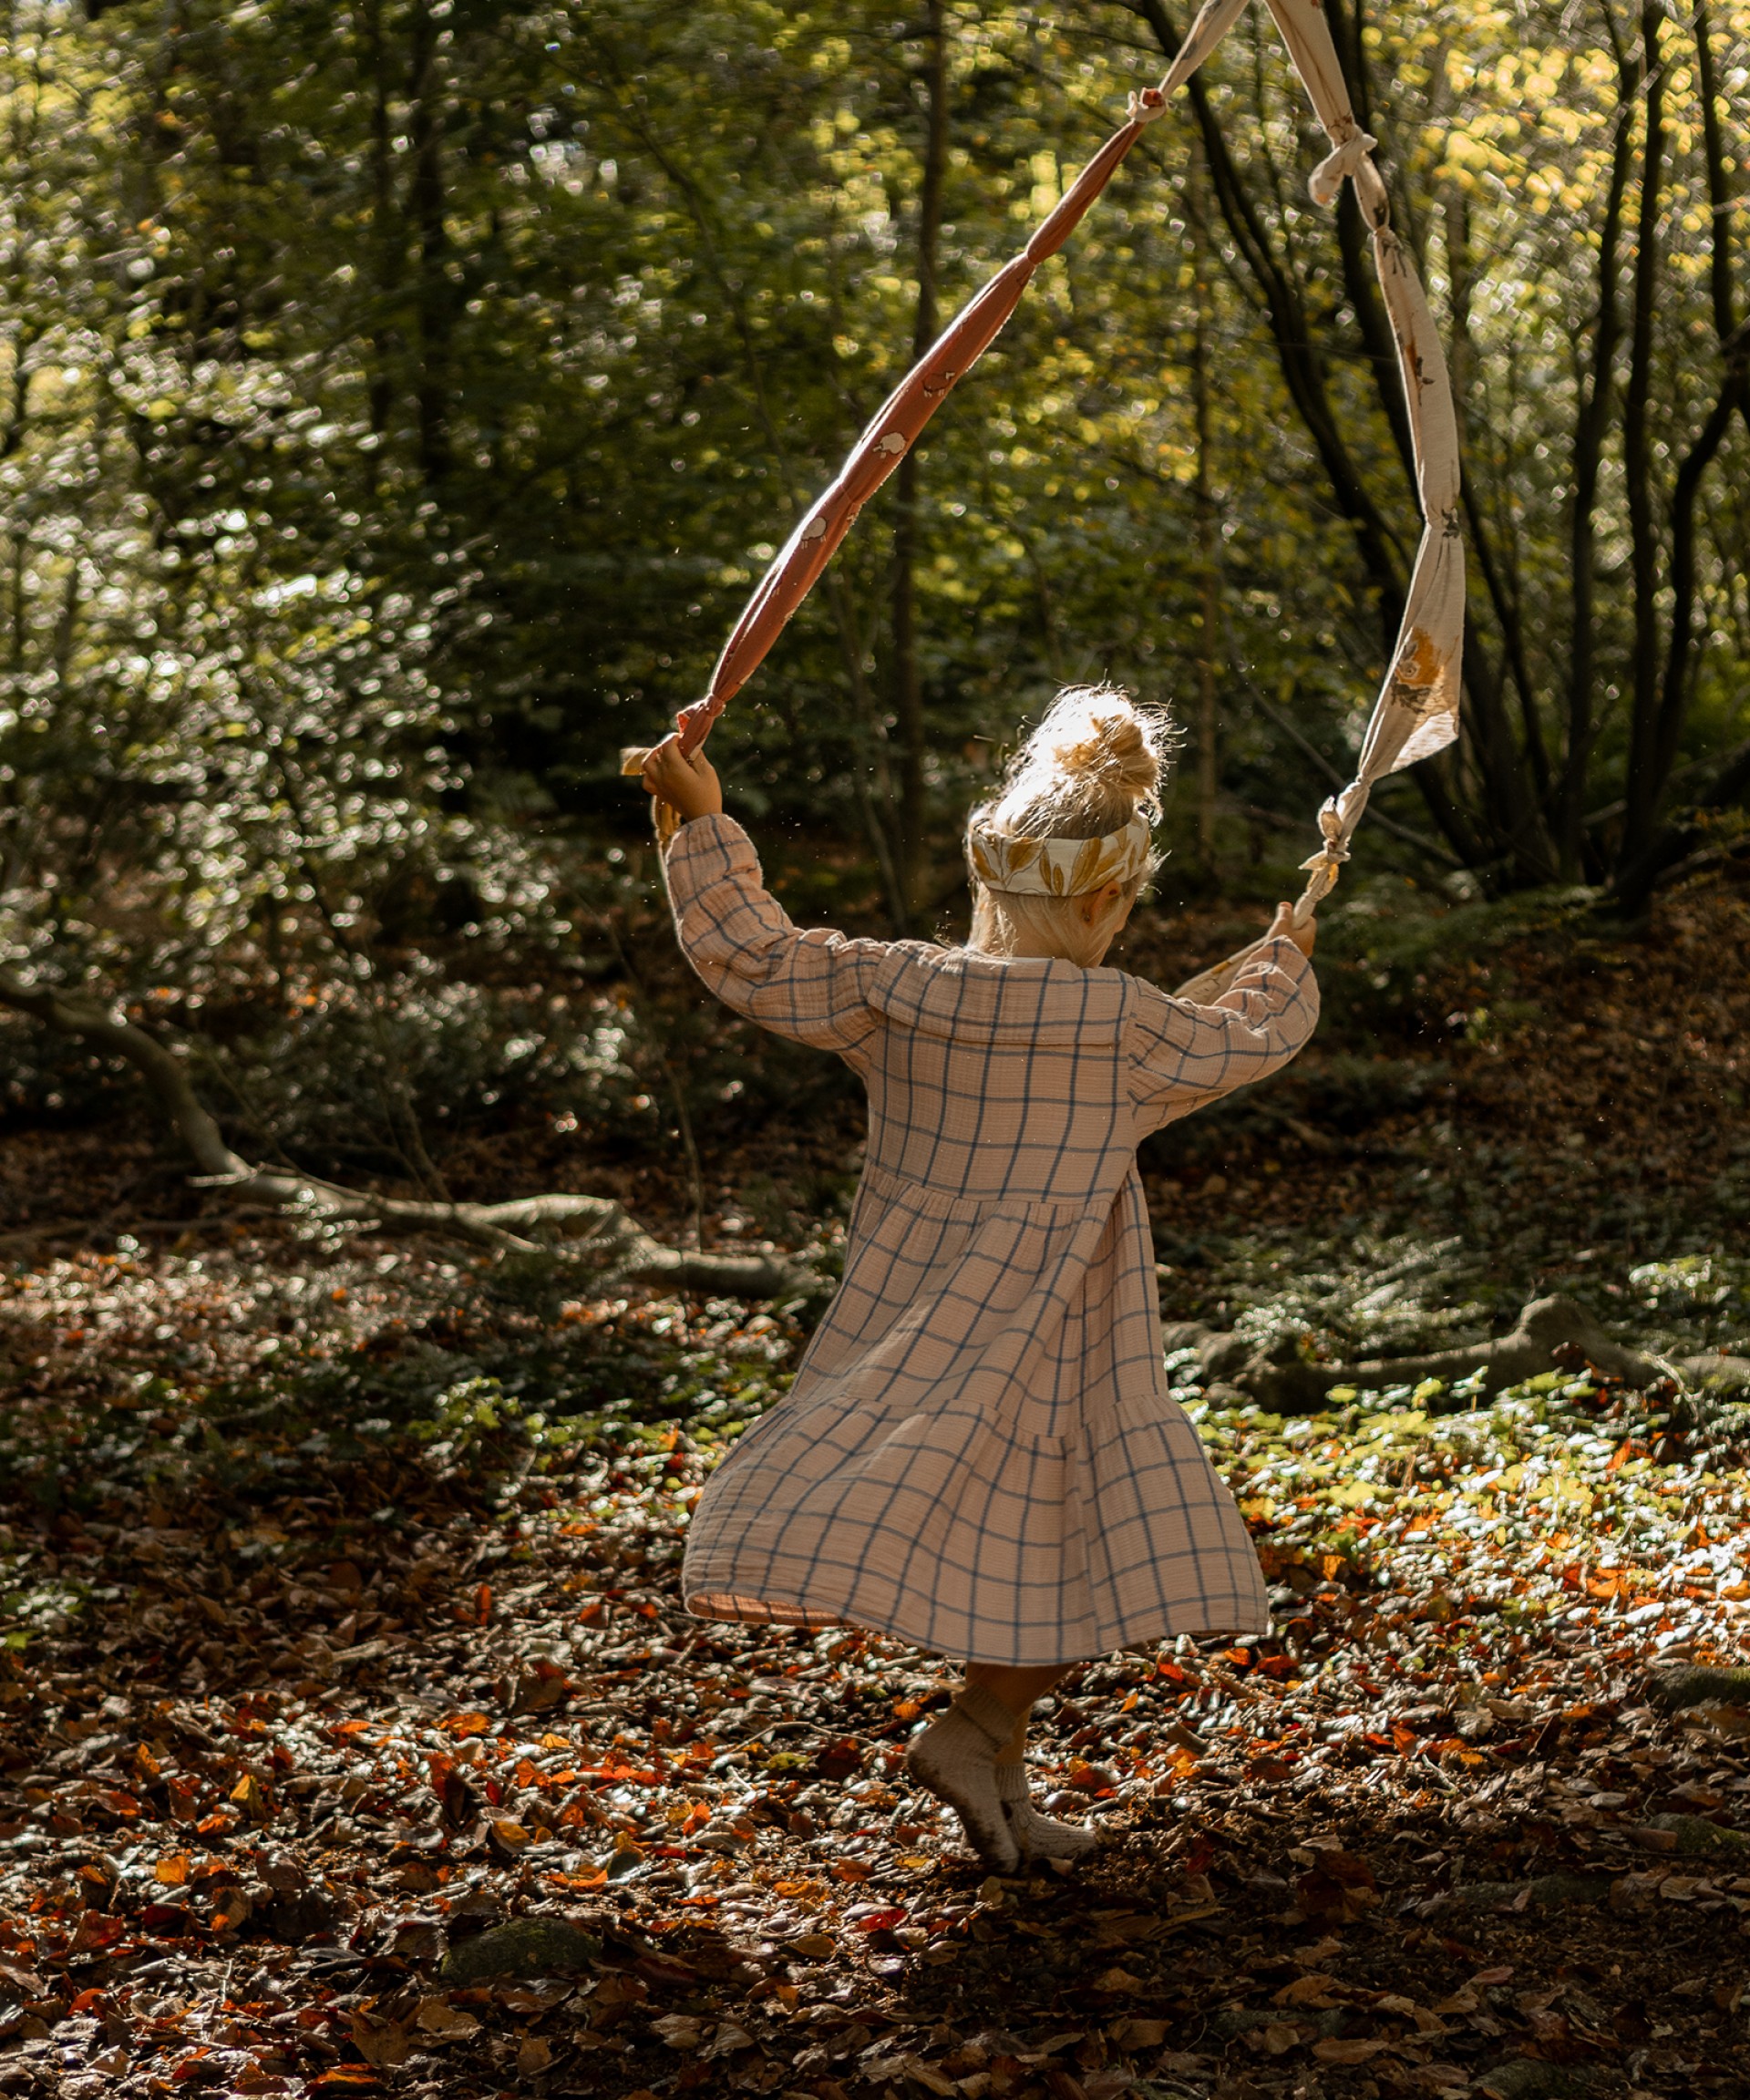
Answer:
(979, 1454)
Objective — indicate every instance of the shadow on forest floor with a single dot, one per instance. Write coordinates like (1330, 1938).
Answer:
(338, 1590)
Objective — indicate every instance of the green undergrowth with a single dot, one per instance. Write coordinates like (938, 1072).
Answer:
(1379, 947)
(1567, 1514)
(389, 1386)
(1574, 1467)
(1570, 1499)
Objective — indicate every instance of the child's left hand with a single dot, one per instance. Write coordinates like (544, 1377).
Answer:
(1282, 928)
(689, 785)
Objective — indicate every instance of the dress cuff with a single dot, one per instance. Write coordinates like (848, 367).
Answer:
(700, 832)
(1277, 953)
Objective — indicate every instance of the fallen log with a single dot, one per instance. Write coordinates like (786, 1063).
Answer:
(1677, 1686)
(591, 1230)
(1551, 1333)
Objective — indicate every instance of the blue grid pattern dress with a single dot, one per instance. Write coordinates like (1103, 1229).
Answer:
(979, 1454)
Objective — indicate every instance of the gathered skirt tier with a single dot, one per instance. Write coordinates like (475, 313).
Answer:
(979, 1456)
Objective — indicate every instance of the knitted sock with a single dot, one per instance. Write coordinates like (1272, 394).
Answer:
(1038, 1837)
(956, 1759)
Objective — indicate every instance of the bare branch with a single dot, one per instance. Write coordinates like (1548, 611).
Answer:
(595, 1228)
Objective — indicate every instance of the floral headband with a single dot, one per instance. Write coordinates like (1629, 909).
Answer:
(1057, 867)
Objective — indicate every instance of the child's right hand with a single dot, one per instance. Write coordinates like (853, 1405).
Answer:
(1282, 928)
(689, 785)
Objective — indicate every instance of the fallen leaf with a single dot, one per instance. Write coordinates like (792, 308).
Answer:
(200, 2067)
(383, 2043)
(1140, 2035)
(443, 2022)
(249, 1795)
(839, 1759)
(926, 2074)
(524, 1947)
(1312, 1989)
(94, 1933)
(417, 1942)
(539, 1691)
(1340, 1888)
(1359, 2051)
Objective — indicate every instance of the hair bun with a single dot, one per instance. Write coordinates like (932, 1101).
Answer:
(1091, 765)
(1098, 734)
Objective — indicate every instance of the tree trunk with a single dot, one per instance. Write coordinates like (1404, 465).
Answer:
(1208, 543)
(1302, 366)
(437, 298)
(1498, 570)
(1644, 784)
(1590, 425)
(1733, 398)
(1676, 842)
(379, 391)
(907, 681)
(1510, 791)
(1551, 1333)
(1294, 341)
(874, 786)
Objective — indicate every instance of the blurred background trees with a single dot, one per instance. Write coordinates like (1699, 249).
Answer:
(401, 397)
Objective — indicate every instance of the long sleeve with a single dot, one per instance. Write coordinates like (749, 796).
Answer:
(812, 986)
(1184, 1055)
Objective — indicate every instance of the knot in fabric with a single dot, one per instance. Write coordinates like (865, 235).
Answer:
(694, 723)
(1327, 178)
(1333, 850)
(1145, 105)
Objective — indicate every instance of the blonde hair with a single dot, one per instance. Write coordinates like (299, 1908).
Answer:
(1092, 765)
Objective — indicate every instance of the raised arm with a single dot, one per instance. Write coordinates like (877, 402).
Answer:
(810, 986)
(1183, 1055)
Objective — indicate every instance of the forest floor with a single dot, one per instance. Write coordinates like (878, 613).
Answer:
(352, 1738)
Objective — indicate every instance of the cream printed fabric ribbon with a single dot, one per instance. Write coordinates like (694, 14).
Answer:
(1017, 867)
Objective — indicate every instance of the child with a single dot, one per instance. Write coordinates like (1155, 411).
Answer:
(979, 1454)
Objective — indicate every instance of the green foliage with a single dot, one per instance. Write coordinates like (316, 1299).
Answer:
(403, 399)
(1381, 1479)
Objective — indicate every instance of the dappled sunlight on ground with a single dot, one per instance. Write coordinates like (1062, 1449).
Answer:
(304, 1704)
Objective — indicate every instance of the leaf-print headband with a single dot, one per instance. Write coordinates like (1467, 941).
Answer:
(1057, 867)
